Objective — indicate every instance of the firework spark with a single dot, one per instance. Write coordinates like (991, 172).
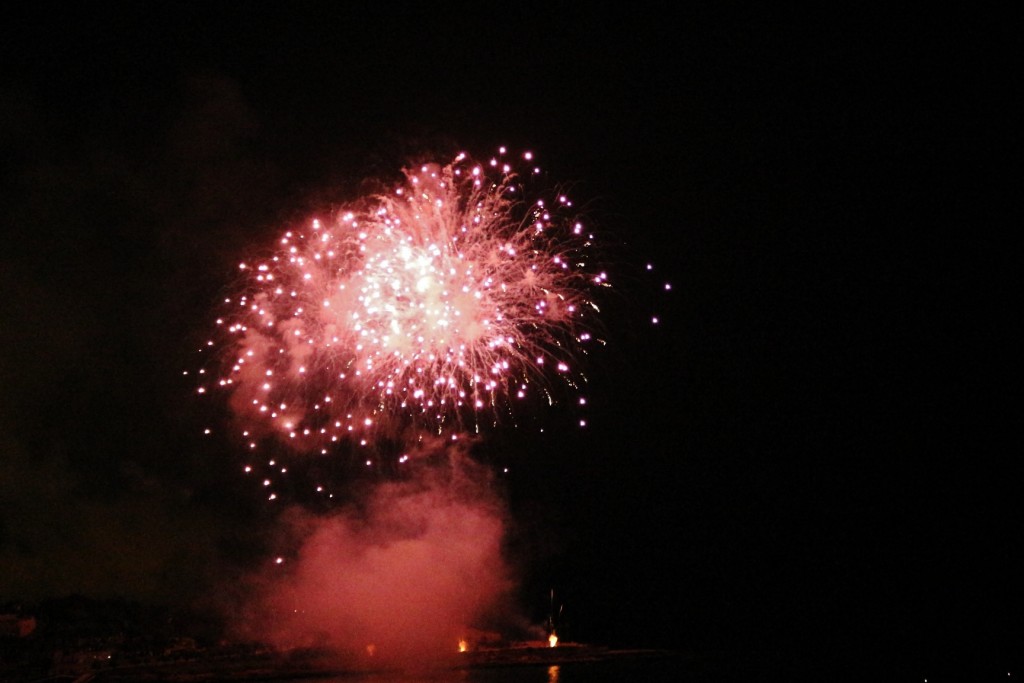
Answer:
(435, 305)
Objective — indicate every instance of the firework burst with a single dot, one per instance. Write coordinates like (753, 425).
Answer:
(434, 306)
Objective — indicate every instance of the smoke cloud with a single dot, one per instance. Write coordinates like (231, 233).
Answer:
(394, 580)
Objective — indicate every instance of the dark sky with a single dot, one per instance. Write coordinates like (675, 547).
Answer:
(815, 452)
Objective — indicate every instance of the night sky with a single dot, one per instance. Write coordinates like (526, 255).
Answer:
(813, 456)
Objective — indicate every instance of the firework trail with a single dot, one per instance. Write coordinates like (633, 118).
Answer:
(433, 306)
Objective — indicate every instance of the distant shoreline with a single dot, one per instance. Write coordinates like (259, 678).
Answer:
(282, 668)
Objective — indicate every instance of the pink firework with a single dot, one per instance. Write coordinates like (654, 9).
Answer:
(435, 306)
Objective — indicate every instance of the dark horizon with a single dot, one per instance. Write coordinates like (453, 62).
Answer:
(812, 452)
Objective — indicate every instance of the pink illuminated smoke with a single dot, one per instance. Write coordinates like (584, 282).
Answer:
(396, 582)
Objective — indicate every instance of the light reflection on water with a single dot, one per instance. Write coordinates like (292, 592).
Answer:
(654, 671)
